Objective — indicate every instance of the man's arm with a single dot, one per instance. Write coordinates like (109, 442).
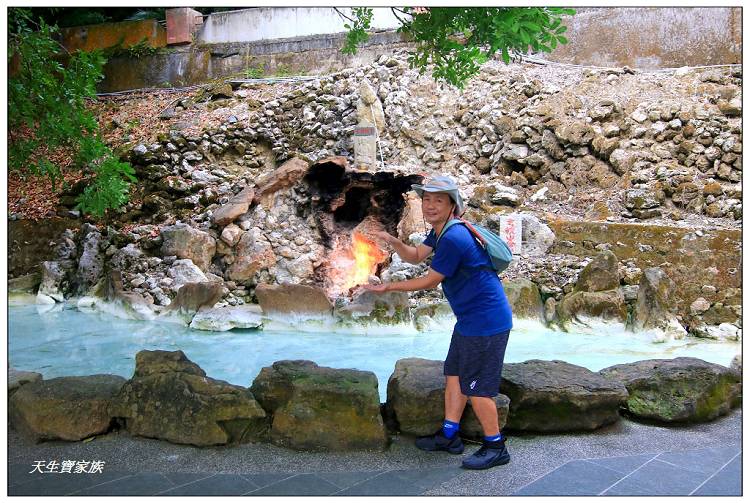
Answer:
(410, 254)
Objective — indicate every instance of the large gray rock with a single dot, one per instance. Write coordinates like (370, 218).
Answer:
(91, 264)
(416, 400)
(576, 133)
(188, 243)
(299, 299)
(227, 318)
(53, 276)
(28, 283)
(678, 390)
(64, 408)
(321, 408)
(254, 253)
(536, 236)
(581, 308)
(170, 398)
(524, 298)
(600, 274)
(193, 296)
(185, 271)
(552, 396)
(622, 160)
(655, 305)
(119, 302)
(367, 307)
(17, 378)
(412, 220)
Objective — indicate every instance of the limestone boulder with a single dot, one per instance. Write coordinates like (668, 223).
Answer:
(253, 253)
(171, 398)
(234, 208)
(655, 305)
(292, 298)
(367, 307)
(53, 276)
(115, 300)
(643, 199)
(321, 408)
(91, 263)
(580, 308)
(600, 274)
(17, 378)
(495, 193)
(525, 299)
(219, 91)
(677, 390)
(285, 176)
(411, 219)
(186, 242)
(537, 237)
(576, 133)
(231, 235)
(193, 296)
(555, 396)
(622, 160)
(28, 283)
(416, 400)
(185, 271)
(228, 318)
(64, 408)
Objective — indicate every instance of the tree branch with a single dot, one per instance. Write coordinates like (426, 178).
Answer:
(393, 10)
(344, 16)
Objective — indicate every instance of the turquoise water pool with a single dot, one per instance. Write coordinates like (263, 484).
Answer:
(65, 341)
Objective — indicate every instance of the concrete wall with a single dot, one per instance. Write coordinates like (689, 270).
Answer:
(652, 37)
(645, 38)
(266, 23)
(102, 36)
(196, 64)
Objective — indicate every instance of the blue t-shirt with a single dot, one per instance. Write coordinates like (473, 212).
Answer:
(476, 295)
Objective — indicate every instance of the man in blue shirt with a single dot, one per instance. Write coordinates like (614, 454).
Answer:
(475, 358)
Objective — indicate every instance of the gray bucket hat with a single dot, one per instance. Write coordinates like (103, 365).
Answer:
(441, 184)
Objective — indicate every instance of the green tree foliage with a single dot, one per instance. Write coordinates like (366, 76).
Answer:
(457, 41)
(47, 98)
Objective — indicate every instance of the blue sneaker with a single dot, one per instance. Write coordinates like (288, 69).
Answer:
(439, 442)
(489, 455)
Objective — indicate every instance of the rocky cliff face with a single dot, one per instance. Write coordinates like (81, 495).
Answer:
(646, 165)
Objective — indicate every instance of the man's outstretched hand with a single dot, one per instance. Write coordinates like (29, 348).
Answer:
(385, 237)
(376, 288)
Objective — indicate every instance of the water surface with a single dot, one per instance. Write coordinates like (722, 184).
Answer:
(65, 342)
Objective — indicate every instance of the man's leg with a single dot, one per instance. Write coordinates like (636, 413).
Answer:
(486, 411)
(455, 401)
(448, 440)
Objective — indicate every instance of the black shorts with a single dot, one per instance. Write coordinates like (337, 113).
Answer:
(477, 361)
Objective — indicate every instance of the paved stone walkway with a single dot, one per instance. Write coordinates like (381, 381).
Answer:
(650, 460)
(700, 472)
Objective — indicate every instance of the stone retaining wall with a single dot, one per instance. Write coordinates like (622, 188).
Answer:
(297, 404)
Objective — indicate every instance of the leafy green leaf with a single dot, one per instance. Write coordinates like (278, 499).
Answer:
(47, 93)
(455, 41)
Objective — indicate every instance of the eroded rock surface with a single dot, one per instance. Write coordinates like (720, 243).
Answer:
(677, 390)
(337, 409)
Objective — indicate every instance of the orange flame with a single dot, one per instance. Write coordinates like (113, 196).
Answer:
(367, 256)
